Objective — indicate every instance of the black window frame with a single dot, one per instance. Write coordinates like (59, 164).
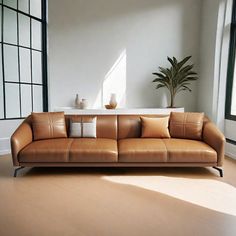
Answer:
(43, 50)
(231, 66)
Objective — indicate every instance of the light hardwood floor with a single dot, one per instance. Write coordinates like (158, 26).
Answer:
(122, 201)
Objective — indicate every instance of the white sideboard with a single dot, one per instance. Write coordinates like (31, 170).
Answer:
(118, 111)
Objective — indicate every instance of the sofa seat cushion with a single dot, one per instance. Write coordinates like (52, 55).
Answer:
(185, 150)
(93, 150)
(49, 150)
(142, 150)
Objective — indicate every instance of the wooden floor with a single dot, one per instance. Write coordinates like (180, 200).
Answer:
(122, 201)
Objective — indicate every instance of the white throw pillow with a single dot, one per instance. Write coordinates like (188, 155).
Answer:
(89, 128)
(84, 129)
(75, 129)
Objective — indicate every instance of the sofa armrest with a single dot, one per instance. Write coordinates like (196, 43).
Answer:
(214, 138)
(20, 138)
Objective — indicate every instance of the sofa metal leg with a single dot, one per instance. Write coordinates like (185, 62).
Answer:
(17, 169)
(220, 170)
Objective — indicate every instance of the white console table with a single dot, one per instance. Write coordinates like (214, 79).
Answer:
(118, 111)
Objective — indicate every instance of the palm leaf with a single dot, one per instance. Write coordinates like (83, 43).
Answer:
(177, 77)
(160, 86)
(181, 63)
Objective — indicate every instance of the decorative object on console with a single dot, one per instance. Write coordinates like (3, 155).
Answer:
(84, 104)
(108, 106)
(113, 102)
(176, 78)
(83, 128)
(77, 101)
(155, 127)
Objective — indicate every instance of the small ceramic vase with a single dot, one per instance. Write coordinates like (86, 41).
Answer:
(113, 102)
(77, 101)
(83, 104)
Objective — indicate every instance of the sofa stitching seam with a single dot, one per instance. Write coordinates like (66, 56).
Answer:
(68, 149)
(167, 153)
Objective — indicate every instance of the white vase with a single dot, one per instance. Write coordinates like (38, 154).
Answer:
(77, 101)
(113, 102)
(83, 104)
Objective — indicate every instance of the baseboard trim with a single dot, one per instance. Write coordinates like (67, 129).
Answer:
(230, 150)
(230, 155)
(5, 152)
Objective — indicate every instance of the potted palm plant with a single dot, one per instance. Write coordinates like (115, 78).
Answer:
(177, 78)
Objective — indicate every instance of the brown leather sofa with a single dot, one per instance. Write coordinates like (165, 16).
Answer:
(118, 143)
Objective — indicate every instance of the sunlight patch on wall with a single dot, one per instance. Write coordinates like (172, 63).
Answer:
(115, 82)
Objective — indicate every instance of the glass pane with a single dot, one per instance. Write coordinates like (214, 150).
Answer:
(23, 5)
(12, 100)
(233, 102)
(37, 67)
(37, 98)
(24, 30)
(1, 88)
(11, 63)
(36, 35)
(10, 26)
(26, 100)
(0, 23)
(1, 102)
(25, 71)
(35, 8)
(11, 3)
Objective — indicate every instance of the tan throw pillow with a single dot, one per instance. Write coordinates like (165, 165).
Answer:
(85, 128)
(186, 125)
(155, 127)
(47, 125)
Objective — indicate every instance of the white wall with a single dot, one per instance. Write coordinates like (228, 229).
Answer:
(207, 56)
(214, 46)
(87, 37)
(7, 127)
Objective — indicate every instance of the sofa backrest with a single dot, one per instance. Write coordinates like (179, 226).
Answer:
(114, 126)
(129, 126)
(106, 125)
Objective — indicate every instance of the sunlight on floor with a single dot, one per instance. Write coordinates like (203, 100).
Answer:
(211, 194)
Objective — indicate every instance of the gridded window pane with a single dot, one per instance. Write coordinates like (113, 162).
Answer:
(37, 67)
(23, 5)
(10, 26)
(25, 71)
(37, 98)
(11, 63)
(24, 30)
(26, 100)
(12, 100)
(11, 3)
(0, 23)
(36, 35)
(22, 58)
(35, 8)
(1, 102)
(1, 88)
